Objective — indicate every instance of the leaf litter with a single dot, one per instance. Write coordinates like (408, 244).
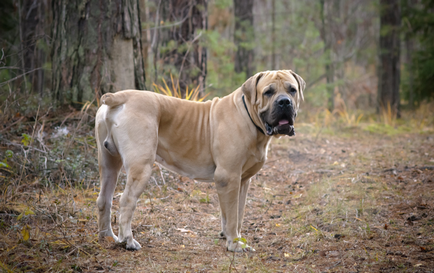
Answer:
(328, 203)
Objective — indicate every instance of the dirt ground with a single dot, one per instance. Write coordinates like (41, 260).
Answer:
(344, 201)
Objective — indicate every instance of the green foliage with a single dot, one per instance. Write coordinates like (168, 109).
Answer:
(222, 4)
(418, 24)
(26, 139)
(205, 200)
(4, 162)
(8, 19)
(242, 241)
(221, 78)
(9, 154)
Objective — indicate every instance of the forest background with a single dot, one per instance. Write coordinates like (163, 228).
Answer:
(361, 54)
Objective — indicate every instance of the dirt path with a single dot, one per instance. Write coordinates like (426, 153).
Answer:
(321, 204)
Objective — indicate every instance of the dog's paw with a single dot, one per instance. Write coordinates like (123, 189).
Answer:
(134, 245)
(129, 243)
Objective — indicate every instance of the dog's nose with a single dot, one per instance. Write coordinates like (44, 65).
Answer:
(284, 102)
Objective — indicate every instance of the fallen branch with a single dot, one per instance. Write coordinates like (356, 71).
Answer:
(19, 76)
(12, 124)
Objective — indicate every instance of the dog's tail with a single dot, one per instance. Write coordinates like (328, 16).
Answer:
(108, 143)
(110, 146)
(112, 100)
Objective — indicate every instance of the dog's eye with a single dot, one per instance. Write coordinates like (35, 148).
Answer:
(269, 93)
(292, 90)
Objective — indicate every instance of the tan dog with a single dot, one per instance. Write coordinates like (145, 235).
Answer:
(224, 140)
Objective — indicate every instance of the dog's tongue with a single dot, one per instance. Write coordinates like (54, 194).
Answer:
(283, 122)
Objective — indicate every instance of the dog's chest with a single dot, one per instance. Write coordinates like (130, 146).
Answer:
(197, 170)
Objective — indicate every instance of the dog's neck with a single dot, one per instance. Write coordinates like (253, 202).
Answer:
(257, 127)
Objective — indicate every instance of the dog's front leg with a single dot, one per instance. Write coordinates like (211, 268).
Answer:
(242, 202)
(228, 189)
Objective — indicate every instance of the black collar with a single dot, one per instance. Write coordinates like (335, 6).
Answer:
(257, 127)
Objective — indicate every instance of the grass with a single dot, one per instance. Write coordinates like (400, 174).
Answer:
(193, 94)
(347, 121)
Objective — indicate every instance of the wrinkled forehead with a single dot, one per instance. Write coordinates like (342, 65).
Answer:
(276, 79)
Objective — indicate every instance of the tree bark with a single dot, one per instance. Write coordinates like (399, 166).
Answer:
(409, 46)
(273, 35)
(326, 36)
(188, 18)
(244, 37)
(96, 49)
(389, 54)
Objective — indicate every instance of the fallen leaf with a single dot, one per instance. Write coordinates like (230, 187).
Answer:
(183, 230)
(20, 216)
(25, 232)
(298, 196)
(29, 212)
(109, 239)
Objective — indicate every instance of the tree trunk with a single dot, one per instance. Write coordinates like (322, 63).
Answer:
(389, 53)
(326, 36)
(244, 37)
(273, 35)
(189, 19)
(34, 22)
(409, 46)
(96, 49)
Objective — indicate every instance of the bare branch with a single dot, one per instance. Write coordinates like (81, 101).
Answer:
(19, 76)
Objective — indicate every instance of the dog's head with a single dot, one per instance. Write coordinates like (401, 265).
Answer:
(275, 97)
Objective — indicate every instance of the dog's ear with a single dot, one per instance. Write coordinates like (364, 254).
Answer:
(249, 87)
(301, 83)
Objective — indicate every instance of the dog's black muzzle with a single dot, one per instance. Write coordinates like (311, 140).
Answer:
(281, 119)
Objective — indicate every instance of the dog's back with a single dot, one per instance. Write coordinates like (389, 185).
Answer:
(182, 128)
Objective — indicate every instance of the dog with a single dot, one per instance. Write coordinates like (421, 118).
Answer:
(224, 140)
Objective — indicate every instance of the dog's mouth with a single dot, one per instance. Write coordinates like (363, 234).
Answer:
(283, 127)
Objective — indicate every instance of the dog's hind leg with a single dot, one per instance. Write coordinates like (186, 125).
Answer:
(109, 167)
(138, 176)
